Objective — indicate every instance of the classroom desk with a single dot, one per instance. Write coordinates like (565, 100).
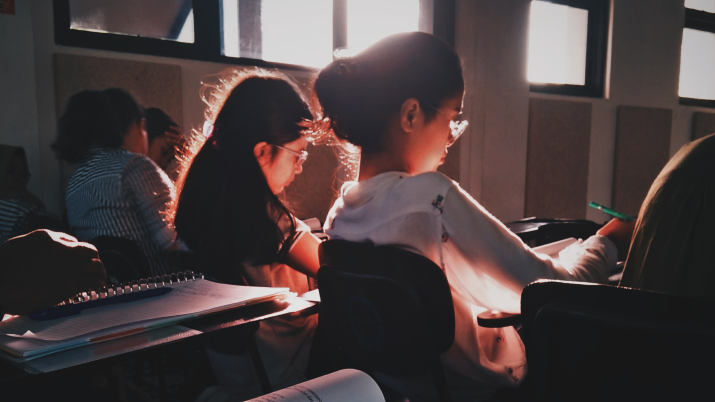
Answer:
(120, 349)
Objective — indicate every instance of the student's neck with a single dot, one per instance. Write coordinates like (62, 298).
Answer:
(372, 165)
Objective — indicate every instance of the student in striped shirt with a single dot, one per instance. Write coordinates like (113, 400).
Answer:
(116, 190)
(18, 206)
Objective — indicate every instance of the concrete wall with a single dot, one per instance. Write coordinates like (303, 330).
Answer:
(491, 37)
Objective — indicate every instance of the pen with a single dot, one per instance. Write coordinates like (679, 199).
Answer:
(611, 212)
(74, 309)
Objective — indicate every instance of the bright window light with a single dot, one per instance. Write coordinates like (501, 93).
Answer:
(702, 5)
(371, 20)
(229, 13)
(697, 61)
(290, 31)
(298, 32)
(557, 44)
(187, 30)
(161, 19)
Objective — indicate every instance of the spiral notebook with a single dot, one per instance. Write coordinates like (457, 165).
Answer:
(191, 297)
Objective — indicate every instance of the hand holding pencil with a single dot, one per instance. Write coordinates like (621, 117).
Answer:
(619, 230)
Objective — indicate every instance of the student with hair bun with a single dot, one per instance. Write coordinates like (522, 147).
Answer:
(400, 101)
(116, 190)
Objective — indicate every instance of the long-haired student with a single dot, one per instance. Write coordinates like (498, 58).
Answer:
(231, 215)
(400, 102)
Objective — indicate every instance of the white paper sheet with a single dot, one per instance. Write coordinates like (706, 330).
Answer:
(341, 386)
(187, 298)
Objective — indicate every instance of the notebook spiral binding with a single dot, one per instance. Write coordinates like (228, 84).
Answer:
(136, 285)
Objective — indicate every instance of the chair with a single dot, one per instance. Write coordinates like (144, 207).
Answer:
(388, 310)
(122, 258)
(591, 342)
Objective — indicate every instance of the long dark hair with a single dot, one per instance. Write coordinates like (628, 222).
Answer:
(360, 94)
(95, 118)
(226, 211)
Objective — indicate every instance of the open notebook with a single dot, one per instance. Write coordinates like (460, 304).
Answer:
(23, 337)
(341, 386)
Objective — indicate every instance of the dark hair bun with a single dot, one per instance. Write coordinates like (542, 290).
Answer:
(360, 94)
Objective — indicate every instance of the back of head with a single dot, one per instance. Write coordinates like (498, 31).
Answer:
(226, 211)
(95, 119)
(157, 123)
(672, 246)
(359, 94)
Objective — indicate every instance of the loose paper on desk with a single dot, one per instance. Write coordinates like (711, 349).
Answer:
(190, 298)
(341, 386)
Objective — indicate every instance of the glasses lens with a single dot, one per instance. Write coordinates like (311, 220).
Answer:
(457, 127)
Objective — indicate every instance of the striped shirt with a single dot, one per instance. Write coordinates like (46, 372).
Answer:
(13, 217)
(118, 193)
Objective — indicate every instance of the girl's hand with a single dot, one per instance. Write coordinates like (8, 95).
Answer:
(620, 232)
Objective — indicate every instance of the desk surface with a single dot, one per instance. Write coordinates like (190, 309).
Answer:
(127, 347)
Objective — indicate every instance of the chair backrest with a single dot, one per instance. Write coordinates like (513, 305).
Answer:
(122, 258)
(597, 342)
(390, 310)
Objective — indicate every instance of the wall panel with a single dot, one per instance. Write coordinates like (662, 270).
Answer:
(557, 159)
(642, 149)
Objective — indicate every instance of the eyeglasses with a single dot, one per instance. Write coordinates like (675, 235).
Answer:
(302, 155)
(457, 127)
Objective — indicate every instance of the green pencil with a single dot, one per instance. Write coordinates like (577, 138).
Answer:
(611, 212)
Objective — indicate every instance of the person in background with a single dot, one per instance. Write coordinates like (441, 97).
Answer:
(400, 100)
(16, 202)
(231, 215)
(673, 248)
(116, 190)
(165, 136)
(42, 268)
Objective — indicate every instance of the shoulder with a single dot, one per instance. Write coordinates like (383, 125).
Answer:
(140, 166)
(431, 185)
(140, 162)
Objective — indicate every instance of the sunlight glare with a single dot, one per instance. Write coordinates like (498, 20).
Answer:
(229, 26)
(187, 30)
(703, 5)
(697, 60)
(298, 32)
(557, 44)
(371, 20)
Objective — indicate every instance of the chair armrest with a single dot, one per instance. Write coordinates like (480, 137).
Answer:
(495, 319)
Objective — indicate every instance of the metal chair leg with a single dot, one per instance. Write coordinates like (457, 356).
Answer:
(440, 381)
(258, 366)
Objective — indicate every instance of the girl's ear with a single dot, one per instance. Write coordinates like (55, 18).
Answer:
(262, 153)
(409, 113)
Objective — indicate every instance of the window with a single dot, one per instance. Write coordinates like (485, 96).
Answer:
(296, 34)
(163, 19)
(567, 46)
(697, 55)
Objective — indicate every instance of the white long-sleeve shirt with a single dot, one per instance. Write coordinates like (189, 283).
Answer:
(487, 267)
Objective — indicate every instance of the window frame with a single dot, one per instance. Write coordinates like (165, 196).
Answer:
(208, 39)
(700, 21)
(596, 51)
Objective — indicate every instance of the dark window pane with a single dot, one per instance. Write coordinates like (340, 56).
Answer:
(162, 19)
